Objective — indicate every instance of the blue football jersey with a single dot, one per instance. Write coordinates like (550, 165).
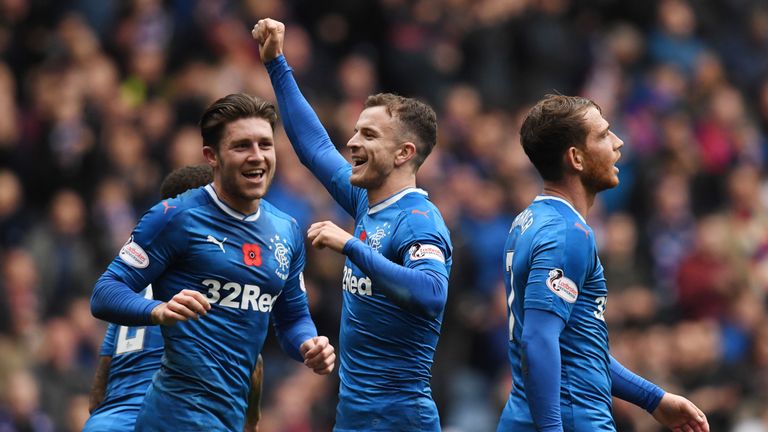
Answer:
(386, 352)
(248, 266)
(136, 354)
(551, 264)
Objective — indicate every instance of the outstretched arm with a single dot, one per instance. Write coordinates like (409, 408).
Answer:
(308, 137)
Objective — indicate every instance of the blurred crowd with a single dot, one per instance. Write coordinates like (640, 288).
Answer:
(100, 99)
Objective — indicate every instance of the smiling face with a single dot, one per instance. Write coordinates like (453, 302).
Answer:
(601, 152)
(373, 147)
(244, 164)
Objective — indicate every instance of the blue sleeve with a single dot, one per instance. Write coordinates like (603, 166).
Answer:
(292, 322)
(308, 137)
(108, 345)
(633, 388)
(157, 239)
(114, 301)
(423, 293)
(541, 367)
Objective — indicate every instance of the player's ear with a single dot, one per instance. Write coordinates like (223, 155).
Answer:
(574, 158)
(405, 153)
(210, 156)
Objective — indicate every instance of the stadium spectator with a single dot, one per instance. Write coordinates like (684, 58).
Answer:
(76, 76)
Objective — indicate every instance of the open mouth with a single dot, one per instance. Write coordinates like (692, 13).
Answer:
(255, 174)
(358, 161)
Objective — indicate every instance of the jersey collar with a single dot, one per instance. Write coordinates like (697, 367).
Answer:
(554, 198)
(395, 198)
(229, 210)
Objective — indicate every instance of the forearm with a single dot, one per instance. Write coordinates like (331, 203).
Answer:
(307, 135)
(114, 301)
(292, 333)
(253, 413)
(633, 388)
(541, 358)
(423, 293)
(99, 387)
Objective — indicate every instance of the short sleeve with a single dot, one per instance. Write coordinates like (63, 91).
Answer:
(558, 269)
(420, 244)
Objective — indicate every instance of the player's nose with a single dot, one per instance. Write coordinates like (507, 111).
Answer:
(619, 142)
(256, 155)
(354, 141)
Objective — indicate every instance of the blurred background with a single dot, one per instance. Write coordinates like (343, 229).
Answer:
(100, 99)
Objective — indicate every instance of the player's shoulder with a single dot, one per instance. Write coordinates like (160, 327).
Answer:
(556, 218)
(554, 210)
(171, 208)
(168, 215)
(416, 209)
(417, 217)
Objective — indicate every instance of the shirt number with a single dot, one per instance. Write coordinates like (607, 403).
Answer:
(511, 297)
(127, 343)
(600, 309)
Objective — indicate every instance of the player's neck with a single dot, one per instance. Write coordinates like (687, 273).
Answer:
(573, 192)
(391, 186)
(244, 206)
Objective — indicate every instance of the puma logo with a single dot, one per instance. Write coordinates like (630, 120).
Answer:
(167, 207)
(423, 213)
(218, 243)
(579, 226)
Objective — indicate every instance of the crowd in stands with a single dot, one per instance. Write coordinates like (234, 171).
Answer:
(100, 99)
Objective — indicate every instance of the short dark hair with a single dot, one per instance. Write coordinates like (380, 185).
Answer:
(417, 118)
(231, 108)
(182, 179)
(553, 125)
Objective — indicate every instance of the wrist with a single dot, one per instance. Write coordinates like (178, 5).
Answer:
(350, 245)
(155, 316)
(276, 60)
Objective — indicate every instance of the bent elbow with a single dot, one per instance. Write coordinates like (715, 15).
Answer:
(97, 307)
(431, 310)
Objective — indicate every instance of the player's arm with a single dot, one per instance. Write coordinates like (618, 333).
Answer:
(115, 301)
(296, 332)
(422, 292)
(154, 243)
(99, 386)
(670, 410)
(253, 413)
(558, 257)
(633, 388)
(101, 377)
(540, 343)
(307, 135)
(419, 291)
